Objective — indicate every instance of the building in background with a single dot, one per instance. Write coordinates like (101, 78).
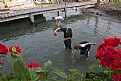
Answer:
(24, 3)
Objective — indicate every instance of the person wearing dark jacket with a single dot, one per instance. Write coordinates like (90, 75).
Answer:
(67, 36)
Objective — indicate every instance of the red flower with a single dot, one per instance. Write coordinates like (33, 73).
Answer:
(118, 55)
(114, 76)
(108, 55)
(3, 49)
(40, 73)
(33, 65)
(101, 46)
(36, 65)
(28, 65)
(112, 41)
(15, 49)
(1, 63)
(105, 61)
(116, 41)
(115, 65)
(119, 77)
(100, 54)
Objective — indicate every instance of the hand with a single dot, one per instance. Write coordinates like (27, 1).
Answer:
(55, 34)
(64, 39)
(94, 44)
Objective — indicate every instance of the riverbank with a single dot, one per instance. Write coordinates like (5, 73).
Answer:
(112, 9)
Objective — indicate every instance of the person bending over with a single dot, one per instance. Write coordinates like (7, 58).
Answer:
(59, 20)
(84, 48)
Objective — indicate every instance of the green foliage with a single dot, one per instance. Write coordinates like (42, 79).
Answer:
(92, 67)
(117, 3)
(47, 65)
(59, 72)
(21, 72)
(33, 74)
(118, 71)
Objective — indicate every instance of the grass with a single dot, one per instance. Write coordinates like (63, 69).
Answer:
(117, 3)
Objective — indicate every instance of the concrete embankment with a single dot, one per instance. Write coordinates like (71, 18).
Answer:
(111, 9)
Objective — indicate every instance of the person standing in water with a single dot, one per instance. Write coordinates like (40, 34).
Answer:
(67, 36)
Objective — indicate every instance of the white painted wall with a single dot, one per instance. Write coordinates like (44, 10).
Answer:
(1, 5)
(26, 2)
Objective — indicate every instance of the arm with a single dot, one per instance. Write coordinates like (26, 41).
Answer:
(67, 38)
(57, 29)
(86, 44)
(59, 23)
(74, 52)
(55, 32)
(90, 43)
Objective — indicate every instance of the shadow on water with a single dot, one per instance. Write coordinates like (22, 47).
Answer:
(21, 27)
(14, 29)
(39, 44)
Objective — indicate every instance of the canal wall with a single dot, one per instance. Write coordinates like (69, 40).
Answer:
(111, 9)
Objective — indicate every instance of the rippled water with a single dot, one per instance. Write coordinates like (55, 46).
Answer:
(39, 44)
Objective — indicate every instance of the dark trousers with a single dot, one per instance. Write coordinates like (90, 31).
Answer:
(84, 52)
(67, 44)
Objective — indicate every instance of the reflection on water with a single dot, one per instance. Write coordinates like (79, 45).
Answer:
(96, 26)
(39, 44)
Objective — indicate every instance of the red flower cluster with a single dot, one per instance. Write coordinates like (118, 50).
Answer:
(15, 49)
(116, 77)
(114, 42)
(3, 49)
(108, 55)
(33, 65)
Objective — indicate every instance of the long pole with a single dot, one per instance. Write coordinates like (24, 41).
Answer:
(65, 10)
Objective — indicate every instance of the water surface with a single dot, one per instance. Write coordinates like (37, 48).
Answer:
(39, 44)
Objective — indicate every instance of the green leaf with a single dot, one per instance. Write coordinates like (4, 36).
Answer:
(14, 49)
(102, 75)
(14, 80)
(118, 71)
(60, 72)
(74, 71)
(21, 72)
(92, 67)
(34, 75)
(3, 77)
(47, 64)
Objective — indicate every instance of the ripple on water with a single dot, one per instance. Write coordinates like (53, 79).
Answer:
(39, 44)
